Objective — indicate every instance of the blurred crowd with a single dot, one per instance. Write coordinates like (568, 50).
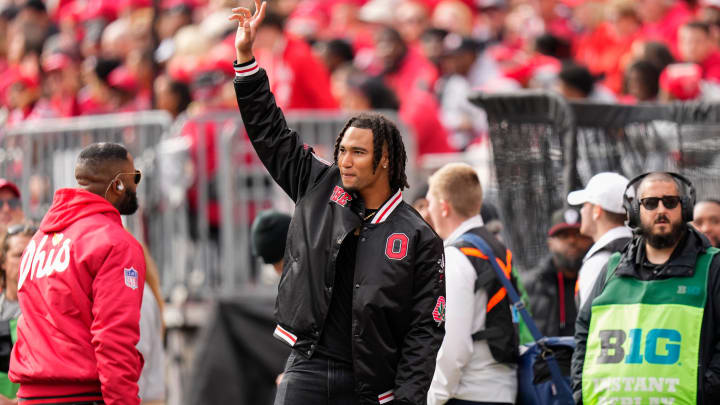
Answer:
(422, 58)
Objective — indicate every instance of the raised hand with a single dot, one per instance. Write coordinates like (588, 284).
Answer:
(247, 28)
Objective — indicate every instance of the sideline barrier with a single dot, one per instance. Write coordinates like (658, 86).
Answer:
(680, 137)
(528, 132)
(544, 147)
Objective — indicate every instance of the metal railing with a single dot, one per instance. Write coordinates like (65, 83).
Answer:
(40, 155)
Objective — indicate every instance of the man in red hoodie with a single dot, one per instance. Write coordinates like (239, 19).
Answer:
(80, 290)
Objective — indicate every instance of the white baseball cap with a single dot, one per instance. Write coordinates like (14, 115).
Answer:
(604, 189)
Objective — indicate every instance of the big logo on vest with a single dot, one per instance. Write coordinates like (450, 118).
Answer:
(43, 259)
(662, 346)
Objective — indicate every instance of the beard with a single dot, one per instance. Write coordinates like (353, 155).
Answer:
(350, 188)
(662, 241)
(566, 262)
(129, 204)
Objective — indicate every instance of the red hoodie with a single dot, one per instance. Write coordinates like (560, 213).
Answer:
(80, 290)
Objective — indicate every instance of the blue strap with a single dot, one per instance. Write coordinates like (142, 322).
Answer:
(560, 382)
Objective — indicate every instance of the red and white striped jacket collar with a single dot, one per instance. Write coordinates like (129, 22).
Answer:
(384, 212)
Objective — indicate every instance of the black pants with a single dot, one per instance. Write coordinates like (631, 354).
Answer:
(316, 381)
(464, 402)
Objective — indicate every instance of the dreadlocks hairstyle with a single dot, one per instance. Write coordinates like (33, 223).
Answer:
(384, 132)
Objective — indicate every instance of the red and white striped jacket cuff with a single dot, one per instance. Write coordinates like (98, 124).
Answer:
(246, 69)
(285, 335)
(386, 397)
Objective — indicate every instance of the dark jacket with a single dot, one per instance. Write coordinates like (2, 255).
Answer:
(398, 269)
(680, 264)
(500, 333)
(543, 290)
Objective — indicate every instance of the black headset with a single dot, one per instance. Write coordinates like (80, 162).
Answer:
(632, 203)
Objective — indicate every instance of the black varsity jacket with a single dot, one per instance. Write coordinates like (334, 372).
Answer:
(398, 299)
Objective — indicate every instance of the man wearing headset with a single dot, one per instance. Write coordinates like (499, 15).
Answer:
(649, 332)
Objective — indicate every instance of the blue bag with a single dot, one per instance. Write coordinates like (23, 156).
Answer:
(535, 383)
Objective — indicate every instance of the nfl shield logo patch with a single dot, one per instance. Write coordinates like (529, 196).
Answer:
(131, 278)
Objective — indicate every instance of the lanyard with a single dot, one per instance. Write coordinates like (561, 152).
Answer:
(561, 292)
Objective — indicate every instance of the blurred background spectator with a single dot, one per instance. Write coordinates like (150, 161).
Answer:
(268, 234)
(706, 219)
(551, 286)
(12, 244)
(11, 212)
(641, 82)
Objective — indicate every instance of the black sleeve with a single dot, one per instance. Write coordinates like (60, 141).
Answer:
(711, 378)
(416, 366)
(293, 165)
(582, 324)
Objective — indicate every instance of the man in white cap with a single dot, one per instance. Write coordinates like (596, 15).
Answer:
(603, 219)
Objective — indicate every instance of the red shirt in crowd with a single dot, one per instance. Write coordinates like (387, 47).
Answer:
(561, 28)
(415, 71)
(421, 111)
(525, 70)
(602, 50)
(666, 29)
(90, 104)
(202, 133)
(297, 78)
(711, 67)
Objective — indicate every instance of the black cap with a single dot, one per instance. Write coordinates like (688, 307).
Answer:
(268, 235)
(454, 44)
(489, 212)
(579, 77)
(563, 219)
(35, 5)
(431, 33)
(487, 4)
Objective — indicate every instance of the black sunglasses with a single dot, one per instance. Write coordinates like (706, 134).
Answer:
(669, 201)
(13, 203)
(137, 173)
(20, 228)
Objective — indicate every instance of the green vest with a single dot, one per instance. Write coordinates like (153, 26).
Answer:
(7, 387)
(644, 338)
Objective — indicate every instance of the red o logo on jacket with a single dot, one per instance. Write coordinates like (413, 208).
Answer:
(397, 246)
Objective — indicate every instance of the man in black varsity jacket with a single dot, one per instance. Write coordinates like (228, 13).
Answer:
(361, 298)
